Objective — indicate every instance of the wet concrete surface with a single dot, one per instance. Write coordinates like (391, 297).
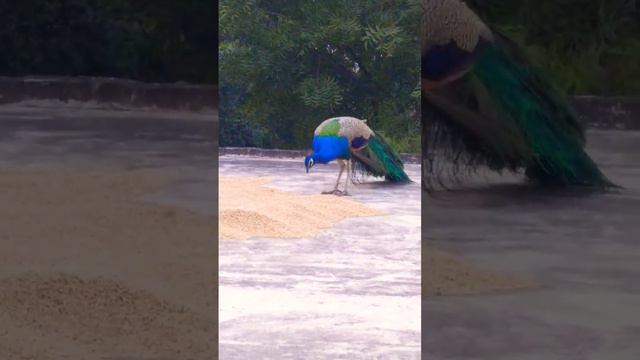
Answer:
(582, 248)
(84, 139)
(351, 292)
(182, 144)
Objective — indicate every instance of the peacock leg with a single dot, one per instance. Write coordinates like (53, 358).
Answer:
(346, 183)
(335, 190)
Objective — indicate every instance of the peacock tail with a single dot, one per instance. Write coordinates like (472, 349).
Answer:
(379, 159)
(484, 104)
(351, 138)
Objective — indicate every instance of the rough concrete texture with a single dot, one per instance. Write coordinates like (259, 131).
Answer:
(583, 248)
(615, 112)
(95, 296)
(180, 143)
(351, 292)
(109, 90)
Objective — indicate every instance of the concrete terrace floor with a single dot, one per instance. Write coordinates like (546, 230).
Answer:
(351, 292)
(583, 249)
(80, 138)
(90, 137)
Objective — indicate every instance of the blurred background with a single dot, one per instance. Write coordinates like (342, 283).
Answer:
(108, 169)
(147, 40)
(588, 47)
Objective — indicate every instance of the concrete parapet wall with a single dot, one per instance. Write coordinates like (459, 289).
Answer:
(177, 96)
(621, 112)
(293, 154)
(618, 112)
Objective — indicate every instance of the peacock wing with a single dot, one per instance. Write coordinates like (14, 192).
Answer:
(329, 127)
(462, 119)
(356, 130)
(452, 36)
(485, 100)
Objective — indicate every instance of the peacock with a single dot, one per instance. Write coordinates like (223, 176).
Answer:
(357, 148)
(483, 103)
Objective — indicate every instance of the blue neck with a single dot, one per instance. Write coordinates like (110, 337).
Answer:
(329, 148)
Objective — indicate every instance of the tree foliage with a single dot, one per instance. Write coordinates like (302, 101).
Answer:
(587, 46)
(152, 40)
(287, 65)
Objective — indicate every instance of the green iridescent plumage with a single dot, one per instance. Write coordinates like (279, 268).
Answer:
(484, 104)
(379, 159)
(348, 138)
(332, 127)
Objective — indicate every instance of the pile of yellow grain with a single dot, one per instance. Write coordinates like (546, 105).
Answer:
(247, 208)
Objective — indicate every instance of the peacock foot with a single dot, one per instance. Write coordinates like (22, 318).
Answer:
(336, 192)
(332, 192)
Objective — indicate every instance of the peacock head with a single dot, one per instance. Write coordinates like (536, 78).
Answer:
(309, 161)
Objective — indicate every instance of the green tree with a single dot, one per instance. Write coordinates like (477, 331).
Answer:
(588, 46)
(291, 64)
(150, 40)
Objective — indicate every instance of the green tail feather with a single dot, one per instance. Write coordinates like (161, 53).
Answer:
(379, 159)
(547, 124)
(502, 114)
